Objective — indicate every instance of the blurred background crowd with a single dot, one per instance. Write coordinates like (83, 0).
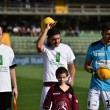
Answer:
(23, 17)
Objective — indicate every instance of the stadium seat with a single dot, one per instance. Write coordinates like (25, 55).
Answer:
(26, 44)
(60, 7)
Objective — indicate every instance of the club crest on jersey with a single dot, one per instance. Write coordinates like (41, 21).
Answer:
(70, 96)
(62, 105)
(99, 54)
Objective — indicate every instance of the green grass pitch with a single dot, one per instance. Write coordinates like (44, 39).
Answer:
(29, 79)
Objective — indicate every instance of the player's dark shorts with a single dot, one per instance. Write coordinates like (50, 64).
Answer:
(5, 100)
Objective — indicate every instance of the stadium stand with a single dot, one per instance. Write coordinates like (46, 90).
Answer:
(43, 7)
(26, 44)
(23, 45)
(86, 14)
(6, 39)
(61, 7)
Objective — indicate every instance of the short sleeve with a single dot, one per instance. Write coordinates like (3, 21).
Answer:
(12, 59)
(89, 53)
(71, 56)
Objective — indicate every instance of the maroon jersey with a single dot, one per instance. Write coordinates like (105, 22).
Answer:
(61, 100)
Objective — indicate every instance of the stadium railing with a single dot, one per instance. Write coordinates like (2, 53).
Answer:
(47, 9)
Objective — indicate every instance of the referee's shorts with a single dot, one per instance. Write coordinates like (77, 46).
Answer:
(5, 100)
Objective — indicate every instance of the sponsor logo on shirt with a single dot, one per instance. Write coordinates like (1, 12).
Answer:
(57, 57)
(58, 93)
(3, 69)
(99, 54)
(104, 63)
(1, 60)
(56, 63)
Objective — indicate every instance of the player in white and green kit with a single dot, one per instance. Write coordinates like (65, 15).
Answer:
(7, 76)
(55, 54)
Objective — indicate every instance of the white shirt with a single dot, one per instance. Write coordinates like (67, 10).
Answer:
(54, 58)
(6, 60)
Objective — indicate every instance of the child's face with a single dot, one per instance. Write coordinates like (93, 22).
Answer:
(62, 78)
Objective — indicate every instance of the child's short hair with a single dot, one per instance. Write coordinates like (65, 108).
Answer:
(61, 70)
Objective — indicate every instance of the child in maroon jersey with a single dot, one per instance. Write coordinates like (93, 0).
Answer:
(61, 95)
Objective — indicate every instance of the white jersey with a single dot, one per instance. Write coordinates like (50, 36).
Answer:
(6, 60)
(54, 58)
